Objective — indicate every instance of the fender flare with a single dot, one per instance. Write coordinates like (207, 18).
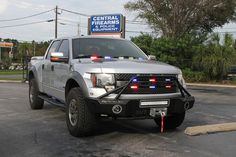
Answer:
(80, 81)
(34, 71)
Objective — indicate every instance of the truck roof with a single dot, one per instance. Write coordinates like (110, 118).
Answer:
(87, 37)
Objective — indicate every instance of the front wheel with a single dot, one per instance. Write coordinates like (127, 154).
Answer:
(171, 121)
(80, 120)
(35, 101)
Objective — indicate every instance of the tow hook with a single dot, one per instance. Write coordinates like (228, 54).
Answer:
(154, 112)
(163, 114)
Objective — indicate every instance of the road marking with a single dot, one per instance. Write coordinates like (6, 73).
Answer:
(205, 129)
(9, 98)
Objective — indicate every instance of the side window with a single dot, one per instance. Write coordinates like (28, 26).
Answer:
(53, 48)
(64, 47)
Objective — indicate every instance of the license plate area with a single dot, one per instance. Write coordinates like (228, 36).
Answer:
(164, 103)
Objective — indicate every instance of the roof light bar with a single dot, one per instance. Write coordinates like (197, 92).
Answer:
(107, 57)
(93, 57)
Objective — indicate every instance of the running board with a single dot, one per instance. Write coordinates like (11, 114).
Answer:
(52, 101)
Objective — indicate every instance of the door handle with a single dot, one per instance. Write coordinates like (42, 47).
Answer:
(42, 66)
(52, 67)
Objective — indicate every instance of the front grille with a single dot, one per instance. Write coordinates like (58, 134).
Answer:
(163, 83)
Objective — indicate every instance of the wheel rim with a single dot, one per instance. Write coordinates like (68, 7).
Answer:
(73, 112)
(31, 94)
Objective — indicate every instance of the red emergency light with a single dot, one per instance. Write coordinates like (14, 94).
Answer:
(134, 87)
(152, 80)
(168, 86)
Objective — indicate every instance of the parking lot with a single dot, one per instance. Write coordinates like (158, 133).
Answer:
(24, 132)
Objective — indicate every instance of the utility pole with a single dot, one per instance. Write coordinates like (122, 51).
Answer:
(34, 48)
(78, 29)
(56, 11)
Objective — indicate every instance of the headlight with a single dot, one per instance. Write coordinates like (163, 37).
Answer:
(103, 80)
(181, 80)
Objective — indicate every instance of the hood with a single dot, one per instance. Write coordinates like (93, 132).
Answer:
(131, 66)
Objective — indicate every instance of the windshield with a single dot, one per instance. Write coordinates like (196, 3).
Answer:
(114, 48)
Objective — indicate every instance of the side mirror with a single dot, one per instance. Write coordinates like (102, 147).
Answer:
(152, 57)
(58, 57)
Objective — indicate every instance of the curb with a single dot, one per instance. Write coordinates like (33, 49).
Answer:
(11, 81)
(210, 85)
(213, 128)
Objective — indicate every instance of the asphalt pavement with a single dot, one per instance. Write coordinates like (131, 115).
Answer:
(43, 133)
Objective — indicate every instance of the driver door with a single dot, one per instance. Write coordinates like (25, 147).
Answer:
(47, 76)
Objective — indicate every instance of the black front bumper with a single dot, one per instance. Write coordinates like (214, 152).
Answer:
(131, 108)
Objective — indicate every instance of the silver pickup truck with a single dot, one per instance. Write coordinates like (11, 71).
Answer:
(94, 77)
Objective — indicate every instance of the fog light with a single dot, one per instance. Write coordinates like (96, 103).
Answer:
(109, 88)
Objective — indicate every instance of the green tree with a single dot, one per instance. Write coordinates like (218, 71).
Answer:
(145, 42)
(24, 49)
(175, 51)
(173, 18)
(215, 58)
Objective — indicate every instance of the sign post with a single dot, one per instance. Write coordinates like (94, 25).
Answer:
(107, 25)
(0, 54)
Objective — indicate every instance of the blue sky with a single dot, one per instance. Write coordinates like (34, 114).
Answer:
(45, 31)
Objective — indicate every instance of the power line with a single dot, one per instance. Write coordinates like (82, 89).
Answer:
(24, 24)
(137, 32)
(137, 23)
(25, 17)
(68, 24)
(73, 12)
(82, 14)
(71, 21)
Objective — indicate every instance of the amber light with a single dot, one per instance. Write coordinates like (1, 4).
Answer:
(55, 59)
(94, 80)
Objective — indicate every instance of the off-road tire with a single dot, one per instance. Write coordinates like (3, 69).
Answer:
(171, 121)
(86, 121)
(34, 100)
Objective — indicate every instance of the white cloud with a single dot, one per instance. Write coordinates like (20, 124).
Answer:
(3, 6)
(22, 4)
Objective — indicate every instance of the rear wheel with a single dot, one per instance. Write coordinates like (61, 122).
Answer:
(171, 121)
(80, 120)
(34, 100)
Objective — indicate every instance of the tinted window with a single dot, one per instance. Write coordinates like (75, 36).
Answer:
(85, 47)
(53, 48)
(64, 48)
